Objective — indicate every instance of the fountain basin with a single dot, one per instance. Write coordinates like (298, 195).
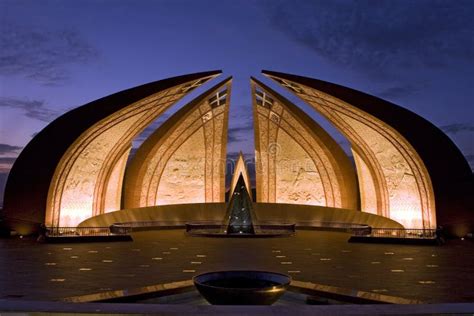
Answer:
(242, 287)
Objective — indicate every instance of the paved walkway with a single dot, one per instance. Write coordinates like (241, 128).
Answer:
(53, 271)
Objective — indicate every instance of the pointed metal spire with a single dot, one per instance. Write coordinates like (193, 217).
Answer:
(240, 169)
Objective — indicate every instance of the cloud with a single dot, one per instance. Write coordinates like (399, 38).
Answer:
(458, 128)
(34, 109)
(7, 160)
(235, 154)
(240, 133)
(380, 37)
(395, 92)
(6, 149)
(233, 138)
(241, 127)
(40, 54)
(6, 164)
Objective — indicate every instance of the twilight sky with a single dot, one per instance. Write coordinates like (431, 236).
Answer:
(57, 55)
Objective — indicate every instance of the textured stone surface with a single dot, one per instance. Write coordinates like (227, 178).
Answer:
(81, 185)
(183, 178)
(387, 164)
(53, 271)
(113, 194)
(299, 181)
(296, 160)
(183, 160)
(289, 213)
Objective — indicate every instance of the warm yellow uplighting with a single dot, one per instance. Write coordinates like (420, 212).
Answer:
(393, 179)
(113, 193)
(240, 169)
(184, 160)
(297, 162)
(87, 180)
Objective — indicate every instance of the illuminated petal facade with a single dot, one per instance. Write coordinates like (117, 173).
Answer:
(183, 161)
(78, 169)
(67, 172)
(297, 162)
(393, 179)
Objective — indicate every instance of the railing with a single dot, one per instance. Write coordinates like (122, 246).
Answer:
(203, 225)
(356, 229)
(151, 223)
(399, 233)
(218, 225)
(81, 231)
(128, 226)
(275, 226)
(337, 226)
(220, 228)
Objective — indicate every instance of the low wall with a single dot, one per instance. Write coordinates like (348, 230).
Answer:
(290, 213)
(299, 214)
(179, 213)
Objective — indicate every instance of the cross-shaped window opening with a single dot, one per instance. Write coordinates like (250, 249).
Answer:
(219, 99)
(263, 99)
(291, 86)
(191, 86)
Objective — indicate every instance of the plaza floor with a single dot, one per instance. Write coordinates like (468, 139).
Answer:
(433, 274)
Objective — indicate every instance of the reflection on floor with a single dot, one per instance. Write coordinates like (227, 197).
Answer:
(51, 272)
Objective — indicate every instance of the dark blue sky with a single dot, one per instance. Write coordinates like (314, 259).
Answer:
(57, 55)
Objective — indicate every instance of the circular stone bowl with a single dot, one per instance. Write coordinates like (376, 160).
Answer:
(242, 287)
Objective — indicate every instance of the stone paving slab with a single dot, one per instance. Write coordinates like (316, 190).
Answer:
(10, 308)
(135, 293)
(433, 274)
(347, 295)
(319, 290)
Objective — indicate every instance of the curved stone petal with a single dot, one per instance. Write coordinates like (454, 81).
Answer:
(62, 176)
(405, 164)
(183, 161)
(297, 161)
